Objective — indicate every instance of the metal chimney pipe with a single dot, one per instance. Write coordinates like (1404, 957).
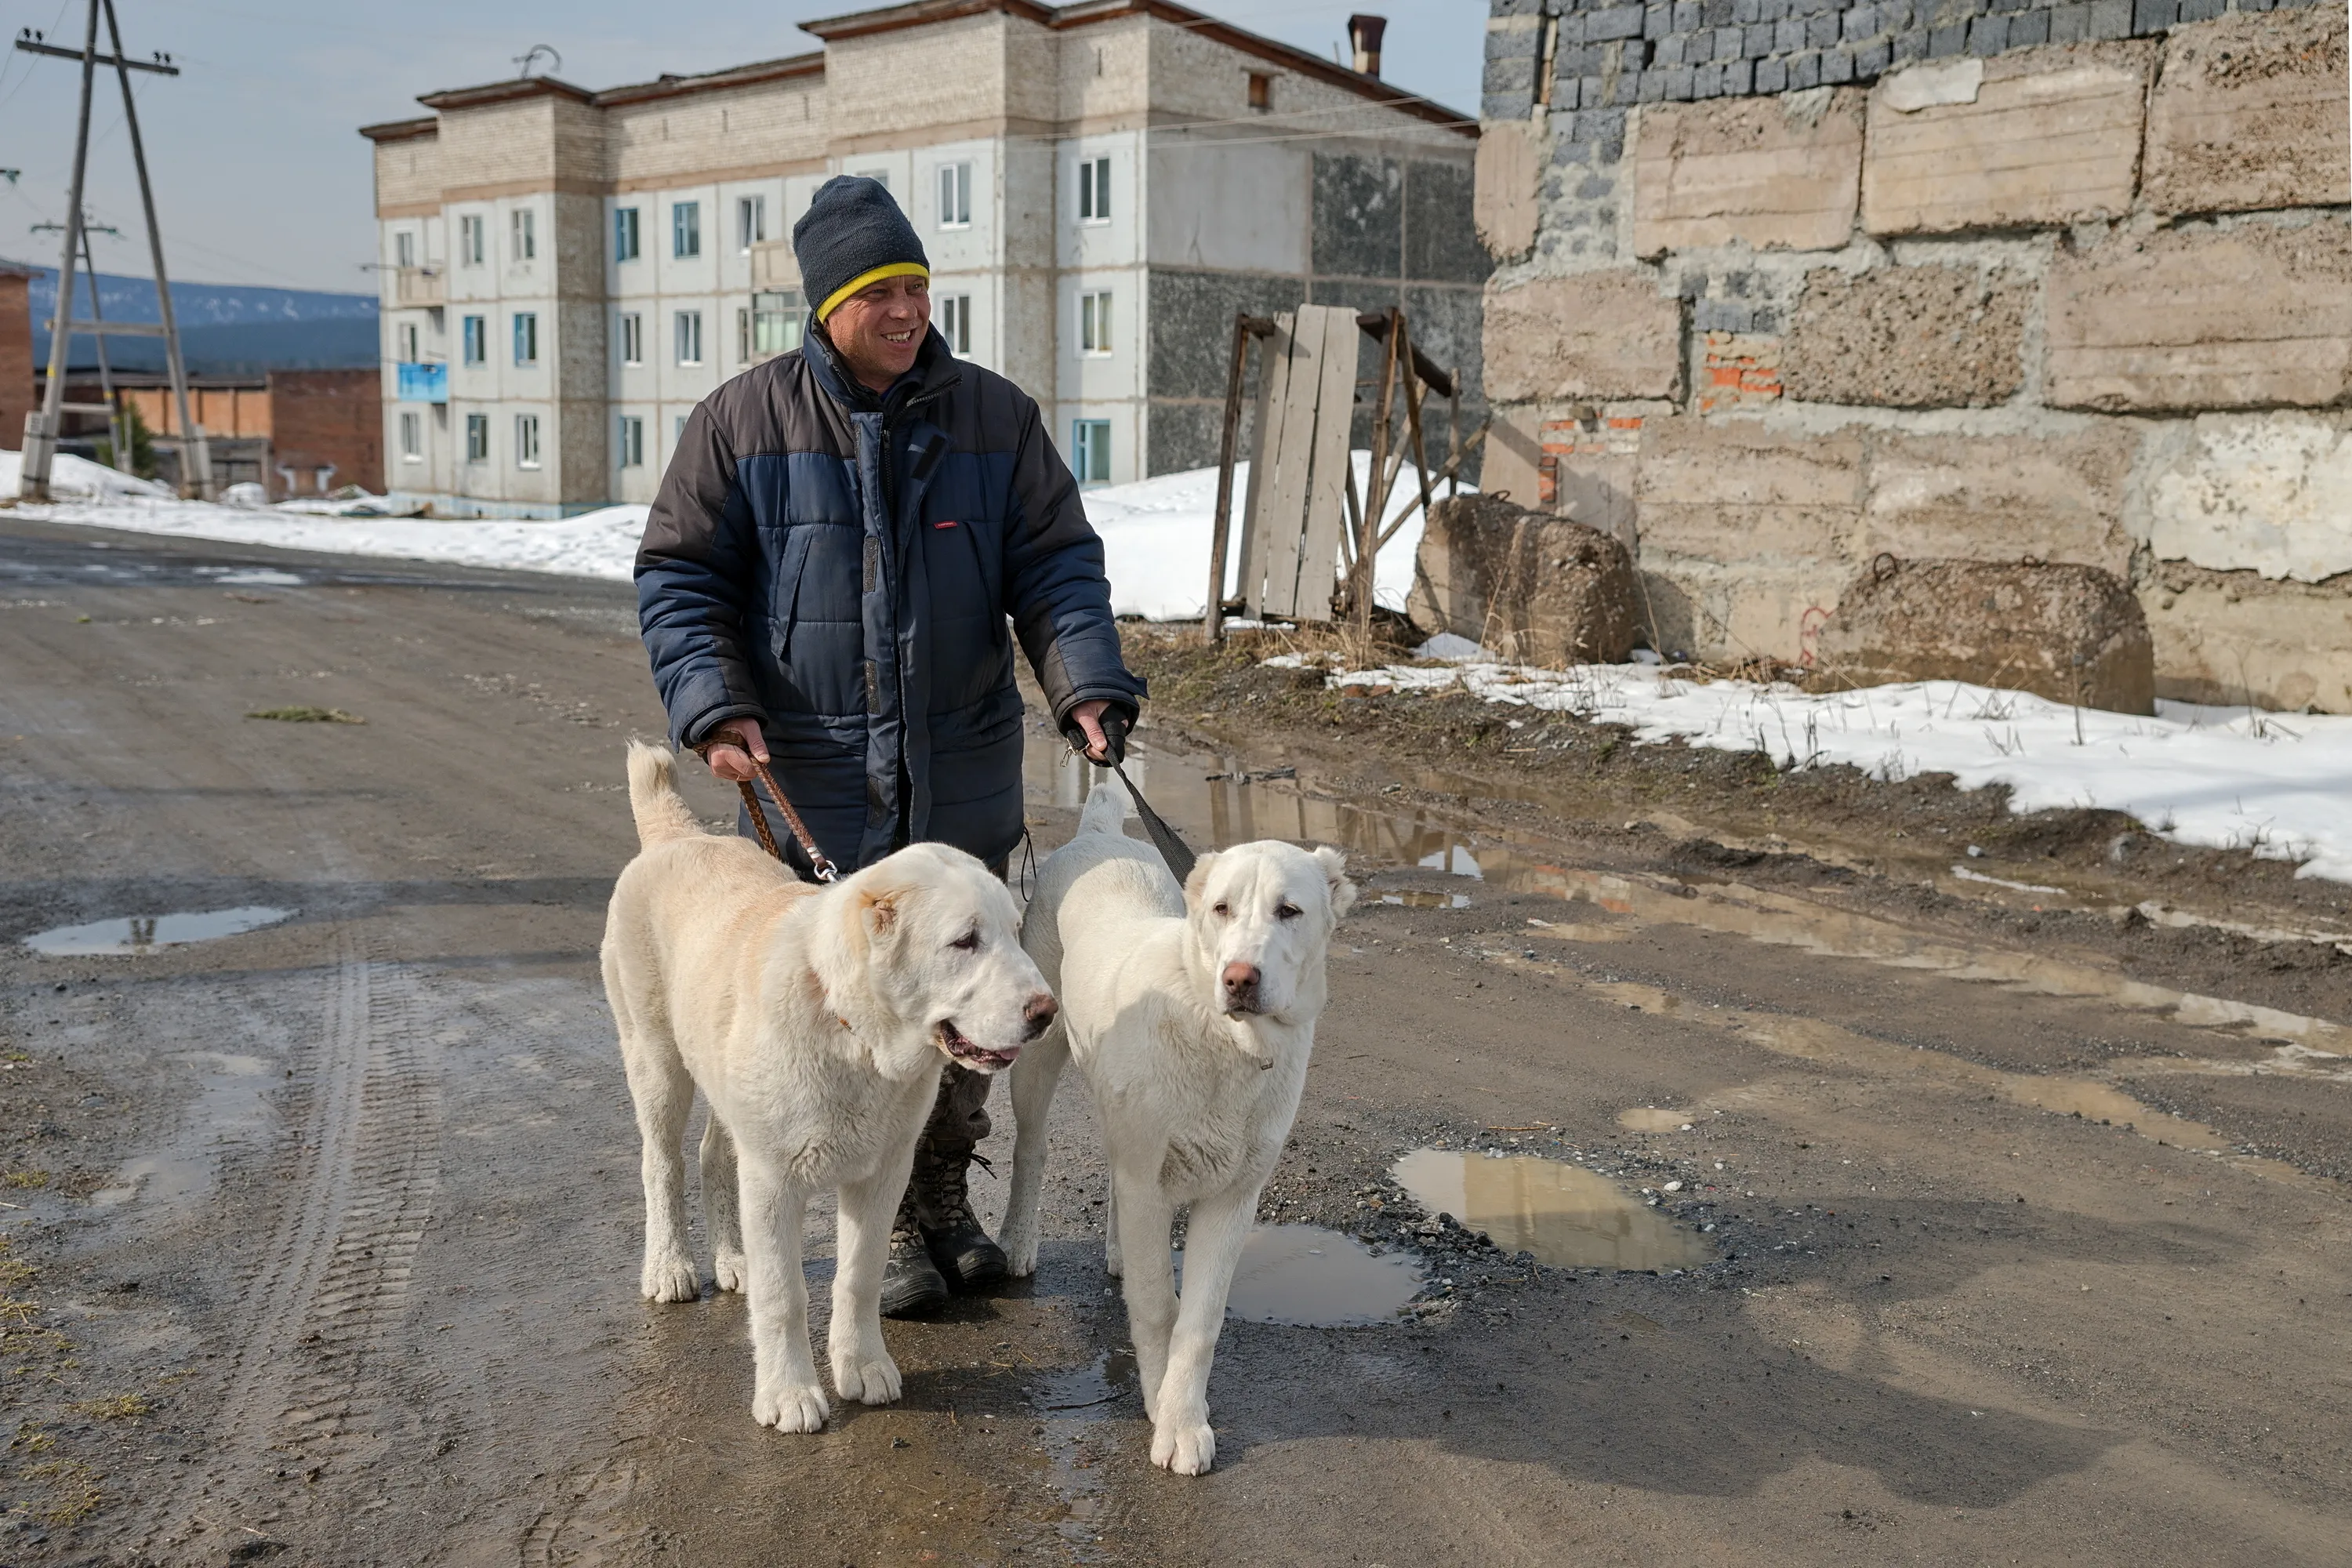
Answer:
(1364, 35)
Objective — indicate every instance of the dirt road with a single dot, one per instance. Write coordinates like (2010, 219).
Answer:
(320, 1237)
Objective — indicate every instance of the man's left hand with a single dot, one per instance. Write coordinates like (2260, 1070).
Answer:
(1087, 716)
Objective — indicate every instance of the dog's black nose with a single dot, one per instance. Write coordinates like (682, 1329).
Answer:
(1040, 1014)
(1240, 985)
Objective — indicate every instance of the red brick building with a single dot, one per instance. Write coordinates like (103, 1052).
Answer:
(299, 432)
(15, 354)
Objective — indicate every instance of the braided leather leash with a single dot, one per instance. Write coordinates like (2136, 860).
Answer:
(824, 870)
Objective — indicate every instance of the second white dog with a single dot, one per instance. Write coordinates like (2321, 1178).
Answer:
(1191, 1013)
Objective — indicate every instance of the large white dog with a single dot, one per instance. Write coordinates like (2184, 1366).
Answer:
(1191, 1013)
(814, 1021)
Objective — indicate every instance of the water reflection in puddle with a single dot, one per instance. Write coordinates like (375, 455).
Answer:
(1650, 1119)
(1420, 898)
(231, 1111)
(1568, 1218)
(143, 933)
(1311, 1277)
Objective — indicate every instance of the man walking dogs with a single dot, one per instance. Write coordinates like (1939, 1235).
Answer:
(823, 584)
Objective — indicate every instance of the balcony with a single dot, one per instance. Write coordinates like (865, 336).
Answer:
(773, 266)
(416, 286)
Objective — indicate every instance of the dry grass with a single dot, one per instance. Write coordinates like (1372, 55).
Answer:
(120, 1408)
(28, 1179)
(306, 716)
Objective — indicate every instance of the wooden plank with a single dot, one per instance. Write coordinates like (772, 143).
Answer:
(1266, 442)
(1290, 463)
(1328, 480)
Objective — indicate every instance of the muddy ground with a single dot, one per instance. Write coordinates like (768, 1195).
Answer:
(320, 1239)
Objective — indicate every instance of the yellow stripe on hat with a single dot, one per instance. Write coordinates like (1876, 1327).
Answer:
(868, 279)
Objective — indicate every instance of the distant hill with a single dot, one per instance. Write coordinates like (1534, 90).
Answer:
(226, 328)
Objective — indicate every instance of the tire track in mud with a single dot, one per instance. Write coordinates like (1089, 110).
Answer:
(304, 1389)
(589, 1528)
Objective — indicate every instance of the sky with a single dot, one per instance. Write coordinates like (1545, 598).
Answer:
(261, 177)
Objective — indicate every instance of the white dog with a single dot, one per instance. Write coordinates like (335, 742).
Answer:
(1191, 1013)
(814, 1021)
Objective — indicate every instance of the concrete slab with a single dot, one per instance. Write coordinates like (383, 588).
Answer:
(2250, 112)
(1907, 337)
(1590, 335)
(1773, 172)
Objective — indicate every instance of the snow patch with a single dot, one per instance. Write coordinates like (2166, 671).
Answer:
(2225, 778)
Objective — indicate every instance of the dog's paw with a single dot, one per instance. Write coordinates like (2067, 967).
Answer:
(1020, 1253)
(1184, 1448)
(869, 1380)
(729, 1271)
(791, 1407)
(670, 1279)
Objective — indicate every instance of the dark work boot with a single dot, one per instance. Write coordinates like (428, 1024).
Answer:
(911, 1285)
(964, 1251)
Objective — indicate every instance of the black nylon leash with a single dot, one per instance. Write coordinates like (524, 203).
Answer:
(1172, 849)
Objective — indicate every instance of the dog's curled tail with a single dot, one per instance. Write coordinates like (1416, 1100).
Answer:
(1108, 805)
(661, 812)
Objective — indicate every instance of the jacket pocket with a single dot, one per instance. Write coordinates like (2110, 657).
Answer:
(784, 607)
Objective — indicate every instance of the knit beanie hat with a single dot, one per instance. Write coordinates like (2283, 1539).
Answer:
(853, 236)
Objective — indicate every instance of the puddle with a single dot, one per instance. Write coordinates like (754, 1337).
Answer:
(231, 1111)
(254, 577)
(1072, 1405)
(1422, 898)
(1455, 861)
(143, 933)
(1650, 1119)
(1568, 1218)
(1310, 1277)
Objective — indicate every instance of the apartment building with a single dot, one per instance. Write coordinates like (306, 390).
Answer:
(1100, 187)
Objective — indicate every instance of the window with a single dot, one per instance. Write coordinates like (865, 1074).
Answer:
(625, 234)
(477, 437)
(955, 195)
(408, 336)
(1094, 324)
(526, 336)
(523, 229)
(411, 439)
(632, 444)
(678, 430)
(526, 440)
(469, 240)
(879, 176)
(955, 321)
(475, 332)
(686, 230)
(1090, 450)
(750, 221)
(1261, 91)
(776, 321)
(686, 327)
(404, 247)
(1093, 190)
(633, 337)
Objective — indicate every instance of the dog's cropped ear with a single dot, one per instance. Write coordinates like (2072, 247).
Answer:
(1334, 872)
(1196, 886)
(878, 913)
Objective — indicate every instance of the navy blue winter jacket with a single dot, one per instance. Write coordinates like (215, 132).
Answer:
(840, 566)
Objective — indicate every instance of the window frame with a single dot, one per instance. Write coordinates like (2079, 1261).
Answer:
(685, 230)
(404, 247)
(474, 339)
(779, 311)
(627, 239)
(1090, 451)
(751, 223)
(1094, 189)
(955, 194)
(630, 441)
(1260, 92)
(523, 235)
(469, 239)
(477, 437)
(1095, 324)
(631, 337)
(527, 448)
(412, 436)
(686, 324)
(955, 321)
(412, 343)
(526, 334)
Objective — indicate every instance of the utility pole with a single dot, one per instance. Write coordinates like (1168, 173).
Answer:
(112, 409)
(41, 429)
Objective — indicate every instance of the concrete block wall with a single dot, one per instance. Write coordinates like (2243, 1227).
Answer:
(1782, 284)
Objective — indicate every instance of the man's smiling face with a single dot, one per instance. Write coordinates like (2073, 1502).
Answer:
(879, 329)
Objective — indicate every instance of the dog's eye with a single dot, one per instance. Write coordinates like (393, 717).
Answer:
(968, 941)
(1224, 912)
(1286, 912)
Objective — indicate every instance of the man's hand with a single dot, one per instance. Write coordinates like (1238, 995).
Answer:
(1087, 716)
(731, 760)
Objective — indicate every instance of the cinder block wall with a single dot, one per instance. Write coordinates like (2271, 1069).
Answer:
(1784, 284)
